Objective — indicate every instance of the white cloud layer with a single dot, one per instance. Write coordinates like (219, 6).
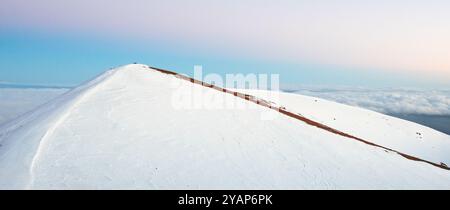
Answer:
(390, 101)
(17, 101)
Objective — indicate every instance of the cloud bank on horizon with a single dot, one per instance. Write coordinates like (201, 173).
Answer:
(18, 101)
(402, 35)
(388, 101)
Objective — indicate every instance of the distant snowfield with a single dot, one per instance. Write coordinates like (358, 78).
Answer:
(121, 131)
(17, 101)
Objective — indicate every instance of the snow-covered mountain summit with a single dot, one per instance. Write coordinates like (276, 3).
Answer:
(123, 131)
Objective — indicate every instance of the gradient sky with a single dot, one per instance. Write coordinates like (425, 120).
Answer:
(380, 43)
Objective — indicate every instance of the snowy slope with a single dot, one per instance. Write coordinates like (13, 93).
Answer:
(122, 131)
(391, 132)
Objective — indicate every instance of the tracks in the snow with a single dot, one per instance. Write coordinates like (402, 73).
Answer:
(284, 111)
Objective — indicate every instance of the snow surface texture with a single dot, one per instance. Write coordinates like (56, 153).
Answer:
(17, 101)
(394, 133)
(121, 131)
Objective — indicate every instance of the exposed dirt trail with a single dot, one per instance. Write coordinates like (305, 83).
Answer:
(284, 111)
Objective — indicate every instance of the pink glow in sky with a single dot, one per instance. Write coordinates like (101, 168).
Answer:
(403, 35)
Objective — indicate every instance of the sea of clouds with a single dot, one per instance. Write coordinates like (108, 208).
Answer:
(17, 101)
(389, 101)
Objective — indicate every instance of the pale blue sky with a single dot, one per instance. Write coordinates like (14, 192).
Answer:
(354, 43)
